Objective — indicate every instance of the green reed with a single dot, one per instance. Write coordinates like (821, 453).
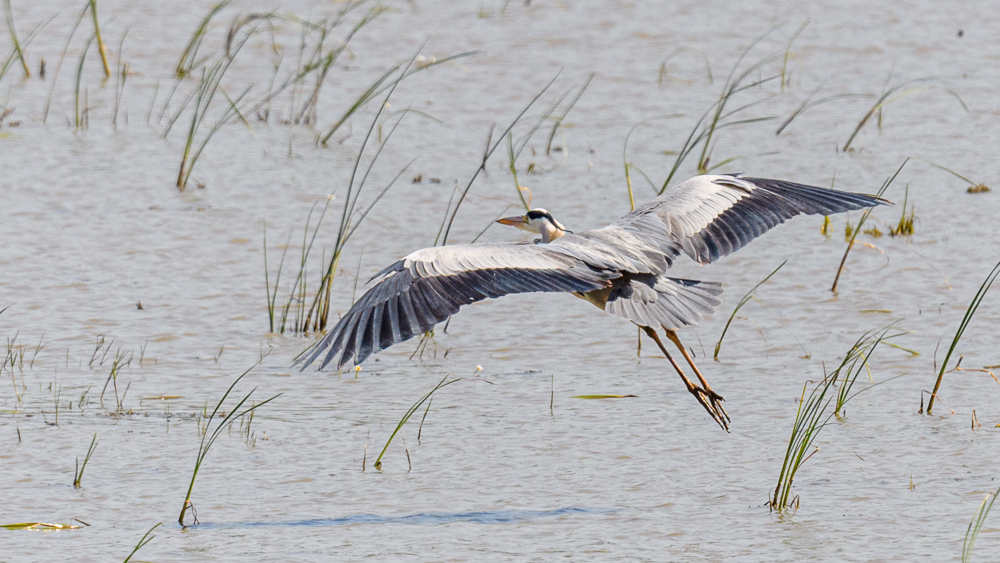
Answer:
(406, 417)
(976, 524)
(815, 410)
(864, 217)
(312, 314)
(146, 538)
(969, 312)
(559, 120)
(717, 118)
(18, 49)
(322, 59)
(78, 472)
(746, 298)
(491, 146)
(81, 115)
(208, 86)
(890, 95)
(383, 83)
(208, 438)
(62, 57)
(101, 47)
(905, 225)
(189, 58)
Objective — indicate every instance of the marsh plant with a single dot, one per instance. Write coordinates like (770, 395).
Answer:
(852, 233)
(976, 524)
(210, 435)
(824, 400)
(962, 326)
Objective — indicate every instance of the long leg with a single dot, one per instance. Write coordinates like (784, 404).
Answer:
(707, 398)
(716, 398)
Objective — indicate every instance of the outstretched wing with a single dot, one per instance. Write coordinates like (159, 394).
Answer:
(430, 285)
(708, 217)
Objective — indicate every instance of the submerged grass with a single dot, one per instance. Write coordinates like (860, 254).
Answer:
(853, 233)
(817, 409)
(976, 524)
(969, 312)
(746, 298)
(208, 439)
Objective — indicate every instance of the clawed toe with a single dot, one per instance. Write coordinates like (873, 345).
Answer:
(712, 402)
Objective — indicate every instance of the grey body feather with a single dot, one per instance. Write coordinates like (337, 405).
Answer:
(619, 268)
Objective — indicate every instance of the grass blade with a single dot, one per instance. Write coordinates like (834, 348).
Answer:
(976, 524)
(746, 298)
(146, 538)
(406, 417)
(973, 306)
(861, 222)
(207, 440)
(90, 451)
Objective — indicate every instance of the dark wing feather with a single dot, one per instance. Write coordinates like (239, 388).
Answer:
(708, 217)
(430, 285)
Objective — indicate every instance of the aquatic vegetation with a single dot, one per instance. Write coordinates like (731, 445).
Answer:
(101, 47)
(406, 417)
(383, 83)
(146, 538)
(976, 524)
(208, 439)
(746, 298)
(189, 58)
(208, 86)
(852, 233)
(893, 94)
(18, 52)
(815, 412)
(559, 120)
(969, 312)
(313, 316)
(705, 128)
(78, 472)
(38, 526)
(905, 225)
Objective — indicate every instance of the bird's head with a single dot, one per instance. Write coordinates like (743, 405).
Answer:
(538, 221)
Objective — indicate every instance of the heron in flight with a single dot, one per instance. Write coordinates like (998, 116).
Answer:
(620, 268)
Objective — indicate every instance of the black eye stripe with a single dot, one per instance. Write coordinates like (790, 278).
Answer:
(536, 214)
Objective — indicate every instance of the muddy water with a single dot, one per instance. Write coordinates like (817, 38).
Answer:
(92, 226)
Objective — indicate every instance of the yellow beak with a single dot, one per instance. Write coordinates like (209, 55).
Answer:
(516, 221)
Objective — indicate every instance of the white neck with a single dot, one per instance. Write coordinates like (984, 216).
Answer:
(550, 232)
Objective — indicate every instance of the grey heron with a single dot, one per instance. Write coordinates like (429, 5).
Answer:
(620, 268)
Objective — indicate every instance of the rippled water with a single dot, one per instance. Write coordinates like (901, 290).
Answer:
(92, 225)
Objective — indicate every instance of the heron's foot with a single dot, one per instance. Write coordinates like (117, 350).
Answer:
(712, 402)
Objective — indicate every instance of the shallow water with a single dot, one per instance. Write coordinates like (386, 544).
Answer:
(92, 225)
